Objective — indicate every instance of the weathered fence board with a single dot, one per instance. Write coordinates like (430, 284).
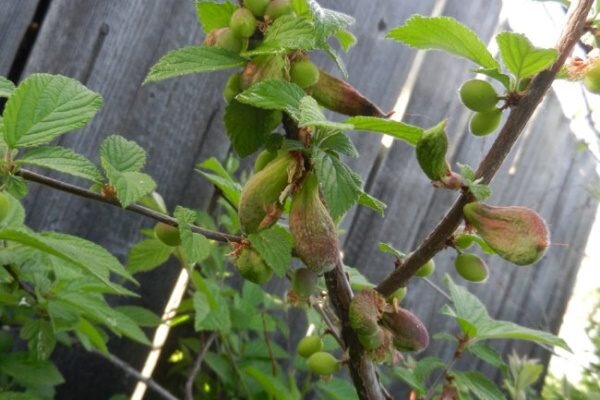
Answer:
(15, 18)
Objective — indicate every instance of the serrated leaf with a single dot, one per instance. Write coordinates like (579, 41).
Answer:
(485, 352)
(273, 95)
(248, 127)
(521, 57)
(335, 141)
(201, 309)
(90, 336)
(194, 246)
(443, 33)
(287, 32)
(40, 338)
(122, 155)
(213, 15)
(373, 203)
(312, 115)
(219, 318)
(275, 247)
(495, 74)
(63, 160)
(140, 315)
(15, 217)
(337, 389)
(398, 130)
(30, 372)
(44, 107)
(328, 22)
(479, 385)
(341, 186)
(6, 87)
(222, 180)
(130, 186)
(147, 255)
(84, 254)
(193, 60)
(16, 186)
(479, 190)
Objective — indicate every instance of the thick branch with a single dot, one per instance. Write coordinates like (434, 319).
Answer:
(492, 161)
(88, 194)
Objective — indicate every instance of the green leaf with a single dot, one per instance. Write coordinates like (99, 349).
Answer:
(147, 255)
(63, 160)
(398, 130)
(140, 315)
(16, 214)
(90, 336)
(273, 95)
(328, 22)
(357, 280)
(488, 354)
(6, 87)
(248, 127)
(275, 247)
(40, 337)
(341, 186)
(213, 15)
(193, 60)
(443, 33)
(286, 33)
(219, 318)
(88, 256)
(373, 203)
(194, 246)
(479, 190)
(521, 57)
(30, 372)
(388, 248)
(311, 115)
(201, 309)
(337, 389)
(121, 154)
(222, 180)
(479, 385)
(44, 107)
(495, 74)
(335, 141)
(408, 376)
(16, 186)
(346, 39)
(130, 186)
(273, 386)
(465, 241)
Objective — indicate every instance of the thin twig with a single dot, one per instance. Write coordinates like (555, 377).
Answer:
(189, 384)
(161, 391)
(269, 348)
(331, 328)
(88, 194)
(23, 285)
(461, 345)
(492, 161)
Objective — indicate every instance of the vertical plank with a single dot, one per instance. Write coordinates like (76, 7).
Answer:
(15, 18)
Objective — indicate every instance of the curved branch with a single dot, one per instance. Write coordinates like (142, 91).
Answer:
(492, 161)
(88, 194)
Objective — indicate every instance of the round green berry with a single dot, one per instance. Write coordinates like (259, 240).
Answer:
(591, 79)
(309, 345)
(4, 205)
(227, 40)
(242, 23)
(478, 95)
(484, 123)
(304, 73)
(323, 363)
(399, 294)
(252, 267)
(471, 267)
(426, 269)
(232, 87)
(278, 8)
(258, 7)
(167, 234)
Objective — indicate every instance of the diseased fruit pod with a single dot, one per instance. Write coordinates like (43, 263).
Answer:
(242, 23)
(304, 282)
(304, 73)
(252, 267)
(262, 68)
(259, 202)
(517, 234)
(323, 363)
(339, 96)
(426, 270)
(258, 7)
(167, 234)
(478, 95)
(263, 158)
(364, 312)
(431, 152)
(471, 267)
(232, 87)
(313, 230)
(224, 38)
(485, 122)
(408, 332)
(278, 8)
(309, 345)
(591, 77)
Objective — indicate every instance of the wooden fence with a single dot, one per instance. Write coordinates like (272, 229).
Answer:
(110, 45)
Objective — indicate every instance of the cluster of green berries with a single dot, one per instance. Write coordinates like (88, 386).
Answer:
(318, 361)
(480, 96)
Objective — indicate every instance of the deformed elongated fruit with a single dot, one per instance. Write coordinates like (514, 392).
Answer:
(304, 73)
(224, 38)
(426, 270)
(259, 201)
(262, 68)
(517, 234)
(471, 267)
(309, 345)
(408, 332)
(339, 96)
(242, 23)
(478, 95)
(253, 267)
(431, 152)
(323, 363)
(304, 282)
(364, 312)
(485, 122)
(313, 230)
(167, 234)
(263, 158)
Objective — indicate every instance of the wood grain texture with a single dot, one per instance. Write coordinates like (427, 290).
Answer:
(15, 18)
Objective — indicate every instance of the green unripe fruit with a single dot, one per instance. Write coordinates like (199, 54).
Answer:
(6, 342)
(227, 40)
(278, 8)
(426, 270)
(591, 79)
(304, 73)
(304, 282)
(323, 363)
(431, 152)
(258, 7)
(478, 95)
(4, 205)
(484, 123)
(242, 23)
(471, 267)
(167, 234)
(399, 294)
(262, 68)
(232, 87)
(263, 158)
(252, 267)
(309, 345)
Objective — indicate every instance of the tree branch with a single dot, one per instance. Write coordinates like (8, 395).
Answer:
(492, 161)
(88, 194)
(189, 384)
